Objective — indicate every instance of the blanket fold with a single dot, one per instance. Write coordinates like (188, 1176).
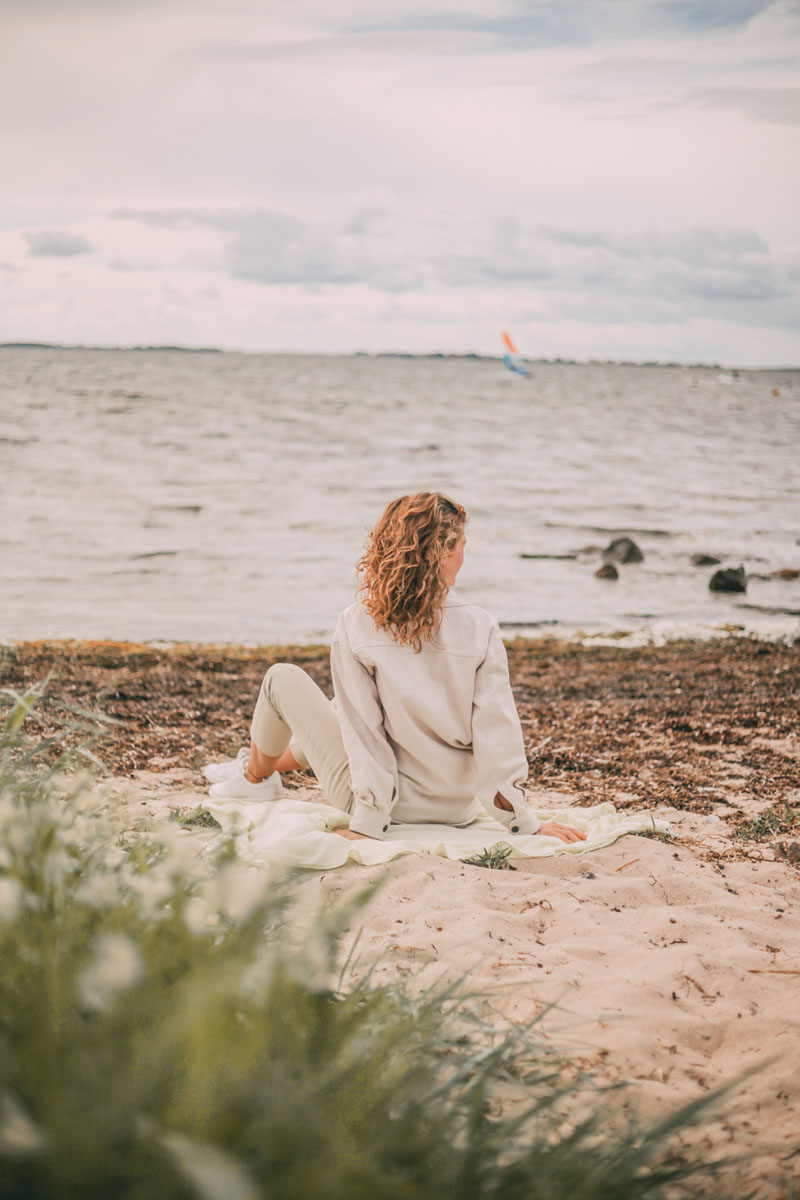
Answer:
(298, 833)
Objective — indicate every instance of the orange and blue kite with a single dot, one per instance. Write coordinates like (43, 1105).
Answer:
(511, 357)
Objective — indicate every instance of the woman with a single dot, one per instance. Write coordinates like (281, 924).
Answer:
(424, 726)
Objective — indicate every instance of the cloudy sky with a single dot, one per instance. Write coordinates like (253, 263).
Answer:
(613, 179)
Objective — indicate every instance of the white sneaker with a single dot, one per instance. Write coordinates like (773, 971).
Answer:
(238, 787)
(218, 772)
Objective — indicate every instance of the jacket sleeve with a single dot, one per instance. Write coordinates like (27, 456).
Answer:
(373, 767)
(497, 743)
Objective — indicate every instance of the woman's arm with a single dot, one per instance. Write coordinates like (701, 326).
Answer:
(499, 749)
(501, 767)
(373, 768)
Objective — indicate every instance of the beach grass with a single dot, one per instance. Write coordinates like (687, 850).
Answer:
(199, 818)
(177, 1027)
(495, 858)
(777, 819)
(660, 835)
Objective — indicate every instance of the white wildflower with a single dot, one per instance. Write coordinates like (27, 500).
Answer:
(181, 859)
(98, 891)
(117, 965)
(237, 891)
(151, 890)
(115, 856)
(311, 964)
(83, 830)
(256, 978)
(196, 914)
(19, 1136)
(58, 867)
(248, 892)
(17, 834)
(11, 896)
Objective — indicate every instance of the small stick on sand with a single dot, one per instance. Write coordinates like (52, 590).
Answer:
(703, 992)
(629, 863)
(773, 970)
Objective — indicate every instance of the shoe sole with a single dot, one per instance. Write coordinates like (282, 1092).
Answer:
(250, 791)
(247, 796)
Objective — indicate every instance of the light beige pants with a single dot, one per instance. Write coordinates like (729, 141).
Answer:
(291, 708)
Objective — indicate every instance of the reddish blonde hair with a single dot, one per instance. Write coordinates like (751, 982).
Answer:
(402, 586)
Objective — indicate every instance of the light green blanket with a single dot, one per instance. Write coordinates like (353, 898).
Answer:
(291, 832)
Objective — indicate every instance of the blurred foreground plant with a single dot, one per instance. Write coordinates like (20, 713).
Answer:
(168, 1030)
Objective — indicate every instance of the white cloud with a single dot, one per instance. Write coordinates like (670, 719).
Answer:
(672, 275)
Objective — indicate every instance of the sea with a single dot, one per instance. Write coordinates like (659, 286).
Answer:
(165, 495)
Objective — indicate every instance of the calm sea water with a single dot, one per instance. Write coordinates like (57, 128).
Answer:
(225, 497)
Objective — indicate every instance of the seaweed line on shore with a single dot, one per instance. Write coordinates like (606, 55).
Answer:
(708, 727)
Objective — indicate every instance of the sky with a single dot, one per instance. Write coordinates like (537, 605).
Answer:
(614, 180)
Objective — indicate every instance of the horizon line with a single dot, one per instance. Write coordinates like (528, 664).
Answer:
(556, 360)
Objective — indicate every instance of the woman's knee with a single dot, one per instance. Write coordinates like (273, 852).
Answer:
(279, 675)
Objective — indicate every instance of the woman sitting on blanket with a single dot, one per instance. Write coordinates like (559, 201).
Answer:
(423, 727)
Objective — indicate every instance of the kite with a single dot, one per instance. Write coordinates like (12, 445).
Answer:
(511, 357)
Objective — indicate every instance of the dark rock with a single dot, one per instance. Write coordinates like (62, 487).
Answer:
(607, 571)
(786, 573)
(622, 550)
(729, 579)
(704, 560)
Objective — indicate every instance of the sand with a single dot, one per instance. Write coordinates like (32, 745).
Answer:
(672, 966)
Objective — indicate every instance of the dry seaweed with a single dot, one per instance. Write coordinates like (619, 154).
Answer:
(691, 724)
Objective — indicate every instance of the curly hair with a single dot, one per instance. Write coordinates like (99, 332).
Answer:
(402, 587)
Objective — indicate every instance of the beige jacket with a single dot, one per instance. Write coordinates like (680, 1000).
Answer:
(430, 737)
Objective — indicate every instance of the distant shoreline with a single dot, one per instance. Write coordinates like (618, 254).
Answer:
(468, 356)
(120, 349)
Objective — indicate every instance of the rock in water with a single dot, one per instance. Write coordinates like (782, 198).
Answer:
(786, 573)
(704, 560)
(622, 550)
(607, 571)
(730, 579)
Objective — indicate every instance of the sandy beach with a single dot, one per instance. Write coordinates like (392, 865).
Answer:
(670, 965)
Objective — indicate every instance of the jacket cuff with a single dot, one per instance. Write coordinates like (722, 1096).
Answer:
(367, 819)
(521, 820)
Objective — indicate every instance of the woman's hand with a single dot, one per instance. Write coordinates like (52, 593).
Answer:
(550, 828)
(352, 835)
(566, 833)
